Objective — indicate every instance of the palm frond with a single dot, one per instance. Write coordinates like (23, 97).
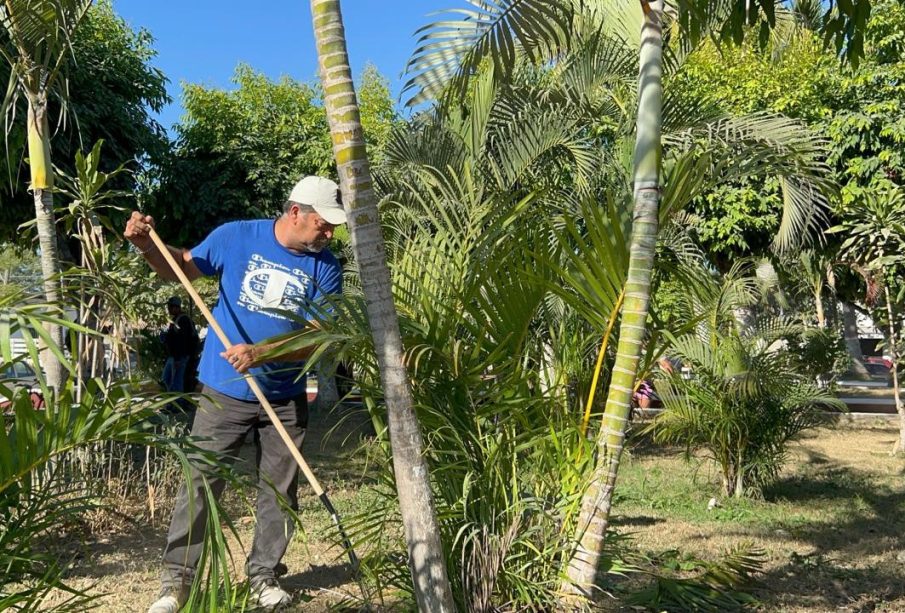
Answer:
(758, 145)
(41, 31)
(534, 138)
(452, 50)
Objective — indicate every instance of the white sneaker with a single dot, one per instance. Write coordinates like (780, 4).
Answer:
(269, 595)
(170, 602)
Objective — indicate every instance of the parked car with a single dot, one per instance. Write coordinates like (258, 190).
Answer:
(878, 359)
(20, 375)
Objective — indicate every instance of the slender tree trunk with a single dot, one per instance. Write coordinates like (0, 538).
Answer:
(327, 394)
(852, 343)
(422, 532)
(894, 351)
(41, 185)
(581, 574)
(821, 314)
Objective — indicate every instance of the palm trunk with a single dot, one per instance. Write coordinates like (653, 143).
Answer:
(850, 333)
(327, 394)
(581, 574)
(422, 532)
(41, 185)
(821, 314)
(894, 351)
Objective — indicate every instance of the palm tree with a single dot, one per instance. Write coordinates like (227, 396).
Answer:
(427, 563)
(40, 33)
(874, 231)
(504, 32)
(749, 395)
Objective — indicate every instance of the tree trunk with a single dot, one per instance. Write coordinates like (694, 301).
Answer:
(327, 394)
(894, 351)
(852, 343)
(581, 574)
(422, 532)
(821, 314)
(42, 185)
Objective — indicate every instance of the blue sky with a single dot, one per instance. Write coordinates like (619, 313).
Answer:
(202, 41)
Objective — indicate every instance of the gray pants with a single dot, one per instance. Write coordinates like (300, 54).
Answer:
(224, 424)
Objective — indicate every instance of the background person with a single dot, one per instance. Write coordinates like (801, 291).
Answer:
(180, 341)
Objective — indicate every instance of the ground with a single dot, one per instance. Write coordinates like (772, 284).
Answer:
(830, 527)
(123, 564)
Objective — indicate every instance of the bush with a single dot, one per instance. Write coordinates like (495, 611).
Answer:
(746, 400)
(819, 354)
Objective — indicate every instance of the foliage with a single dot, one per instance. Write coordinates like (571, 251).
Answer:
(734, 221)
(745, 400)
(868, 132)
(819, 354)
(112, 89)
(239, 152)
(874, 229)
(858, 109)
(40, 493)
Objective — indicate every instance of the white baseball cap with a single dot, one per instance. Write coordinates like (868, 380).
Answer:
(323, 196)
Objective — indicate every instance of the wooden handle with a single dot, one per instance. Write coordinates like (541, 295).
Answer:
(249, 378)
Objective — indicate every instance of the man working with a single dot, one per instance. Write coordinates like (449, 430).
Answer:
(180, 341)
(263, 265)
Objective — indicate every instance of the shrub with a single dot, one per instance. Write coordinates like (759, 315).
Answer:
(745, 401)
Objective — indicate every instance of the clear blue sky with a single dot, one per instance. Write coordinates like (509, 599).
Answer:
(202, 41)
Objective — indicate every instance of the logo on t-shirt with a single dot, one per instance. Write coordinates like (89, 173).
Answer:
(270, 285)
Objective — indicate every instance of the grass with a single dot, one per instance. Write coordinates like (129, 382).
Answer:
(831, 526)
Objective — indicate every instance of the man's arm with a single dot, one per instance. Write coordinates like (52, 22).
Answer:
(244, 356)
(138, 232)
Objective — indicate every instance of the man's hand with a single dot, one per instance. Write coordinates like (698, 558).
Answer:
(241, 357)
(138, 231)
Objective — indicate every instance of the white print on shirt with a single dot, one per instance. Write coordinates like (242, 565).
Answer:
(270, 285)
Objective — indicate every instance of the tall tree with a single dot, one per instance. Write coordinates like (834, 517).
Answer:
(426, 559)
(592, 522)
(112, 91)
(40, 33)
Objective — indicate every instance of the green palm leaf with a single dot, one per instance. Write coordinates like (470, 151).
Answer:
(450, 51)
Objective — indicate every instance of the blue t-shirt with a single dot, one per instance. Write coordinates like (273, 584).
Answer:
(256, 274)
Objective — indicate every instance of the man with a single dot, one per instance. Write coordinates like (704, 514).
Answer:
(180, 341)
(266, 268)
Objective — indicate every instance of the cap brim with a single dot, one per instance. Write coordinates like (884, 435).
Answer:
(332, 214)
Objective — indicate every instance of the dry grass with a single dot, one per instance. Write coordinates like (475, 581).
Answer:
(832, 527)
(124, 565)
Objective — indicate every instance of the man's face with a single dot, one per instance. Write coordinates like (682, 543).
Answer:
(173, 310)
(310, 232)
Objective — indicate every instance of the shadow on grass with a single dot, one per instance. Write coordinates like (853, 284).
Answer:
(141, 548)
(319, 577)
(636, 521)
(854, 563)
(826, 584)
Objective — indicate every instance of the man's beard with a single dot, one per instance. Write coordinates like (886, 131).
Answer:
(317, 246)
